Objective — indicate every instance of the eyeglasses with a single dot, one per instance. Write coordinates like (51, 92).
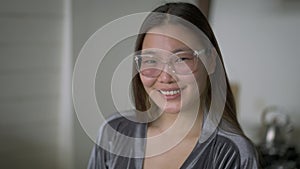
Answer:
(152, 63)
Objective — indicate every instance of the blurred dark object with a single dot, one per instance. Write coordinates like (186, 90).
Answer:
(275, 149)
(289, 160)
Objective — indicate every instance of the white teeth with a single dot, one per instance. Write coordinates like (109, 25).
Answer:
(171, 92)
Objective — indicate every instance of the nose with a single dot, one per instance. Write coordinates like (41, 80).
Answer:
(167, 75)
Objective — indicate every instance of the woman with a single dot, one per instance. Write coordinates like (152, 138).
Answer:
(185, 112)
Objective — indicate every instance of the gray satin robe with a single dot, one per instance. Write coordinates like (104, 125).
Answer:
(223, 150)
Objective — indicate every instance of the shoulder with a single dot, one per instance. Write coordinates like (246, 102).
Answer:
(241, 143)
(123, 123)
(119, 120)
(239, 146)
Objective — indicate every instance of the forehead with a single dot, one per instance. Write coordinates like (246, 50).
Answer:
(168, 37)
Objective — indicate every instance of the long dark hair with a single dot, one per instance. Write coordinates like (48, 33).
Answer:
(193, 15)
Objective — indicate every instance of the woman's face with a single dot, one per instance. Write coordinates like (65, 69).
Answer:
(170, 91)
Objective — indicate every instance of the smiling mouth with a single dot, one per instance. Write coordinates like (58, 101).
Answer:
(169, 92)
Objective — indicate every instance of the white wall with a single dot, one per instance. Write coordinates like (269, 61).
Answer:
(260, 42)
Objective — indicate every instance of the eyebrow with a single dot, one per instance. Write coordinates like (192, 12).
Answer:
(148, 52)
(153, 51)
(181, 49)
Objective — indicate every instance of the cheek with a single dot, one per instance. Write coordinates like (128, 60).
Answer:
(147, 82)
(201, 77)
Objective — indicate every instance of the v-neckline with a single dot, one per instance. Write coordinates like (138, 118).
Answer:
(144, 135)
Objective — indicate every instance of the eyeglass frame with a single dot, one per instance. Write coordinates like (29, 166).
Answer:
(196, 53)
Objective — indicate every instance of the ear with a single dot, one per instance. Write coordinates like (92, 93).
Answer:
(211, 61)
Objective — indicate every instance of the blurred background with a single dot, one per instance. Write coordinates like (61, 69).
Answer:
(41, 39)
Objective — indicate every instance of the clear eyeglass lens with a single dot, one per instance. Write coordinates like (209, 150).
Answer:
(182, 63)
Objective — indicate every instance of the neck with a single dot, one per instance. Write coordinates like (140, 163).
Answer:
(185, 121)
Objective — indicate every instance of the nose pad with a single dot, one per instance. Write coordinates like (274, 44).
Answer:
(169, 69)
(167, 75)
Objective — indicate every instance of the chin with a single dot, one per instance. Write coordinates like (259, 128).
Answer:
(171, 110)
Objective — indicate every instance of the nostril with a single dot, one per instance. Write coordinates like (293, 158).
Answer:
(166, 77)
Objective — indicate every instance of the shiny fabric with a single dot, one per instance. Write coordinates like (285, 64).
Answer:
(223, 150)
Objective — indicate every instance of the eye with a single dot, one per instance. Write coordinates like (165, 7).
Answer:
(184, 57)
(180, 60)
(149, 60)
